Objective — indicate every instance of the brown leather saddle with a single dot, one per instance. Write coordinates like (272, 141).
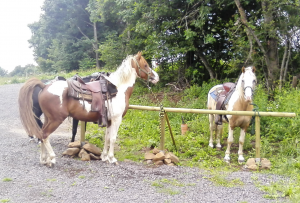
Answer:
(96, 93)
(223, 96)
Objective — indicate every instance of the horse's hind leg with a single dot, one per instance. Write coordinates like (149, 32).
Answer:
(241, 145)
(219, 135)
(218, 130)
(51, 160)
(212, 128)
(47, 130)
(229, 142)
(44, 155)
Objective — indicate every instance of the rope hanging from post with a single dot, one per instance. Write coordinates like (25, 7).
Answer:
(252, 122)
(164, 117)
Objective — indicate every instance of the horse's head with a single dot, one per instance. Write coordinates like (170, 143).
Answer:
(248, 82)
(143, 69)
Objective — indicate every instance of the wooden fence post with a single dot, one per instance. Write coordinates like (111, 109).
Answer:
(257, 139)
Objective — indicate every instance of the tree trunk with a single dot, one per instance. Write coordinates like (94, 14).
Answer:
(96, 46)
(287, 62)
(271, 53)
(207, 66)
(283, 63)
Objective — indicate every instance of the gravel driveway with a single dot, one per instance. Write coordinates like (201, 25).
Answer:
(23, 179)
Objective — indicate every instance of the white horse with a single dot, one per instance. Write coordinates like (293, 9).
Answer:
(57, 106)
(240, 100)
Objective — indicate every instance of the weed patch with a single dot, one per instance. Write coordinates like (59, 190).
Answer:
(7, 179)
(219, 179)
(169, 186)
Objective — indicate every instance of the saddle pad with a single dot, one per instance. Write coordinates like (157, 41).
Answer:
(216, 92)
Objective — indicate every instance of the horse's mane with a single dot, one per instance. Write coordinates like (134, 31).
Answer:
(248, 73)
(124, 73)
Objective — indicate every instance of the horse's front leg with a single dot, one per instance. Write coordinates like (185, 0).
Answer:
(115, 124)
(229, 142)
(104, 153)
(241, 145)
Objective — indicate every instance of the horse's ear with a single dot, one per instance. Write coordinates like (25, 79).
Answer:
(139, 55)
(253, 69)
(243, 69)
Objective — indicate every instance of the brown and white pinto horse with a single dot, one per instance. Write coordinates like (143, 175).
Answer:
(240, 100)
(57, 106)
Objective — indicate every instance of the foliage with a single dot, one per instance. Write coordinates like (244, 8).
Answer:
(191, 40)
(27, 70)
(3, 72)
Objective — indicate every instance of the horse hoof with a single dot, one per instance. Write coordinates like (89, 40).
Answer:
(219, 148)
(211, 145)
(227, 159)
(116, 163)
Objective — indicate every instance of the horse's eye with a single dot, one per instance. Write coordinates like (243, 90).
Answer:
(243, 81)
(254, 81)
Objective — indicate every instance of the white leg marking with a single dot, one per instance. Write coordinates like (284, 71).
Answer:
(219, 134)
(229, 142)
(115, 124)
(104, 156)
(51, 158)
(241, 145)
(44, 155)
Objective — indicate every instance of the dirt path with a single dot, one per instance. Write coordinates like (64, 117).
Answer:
(23, 179)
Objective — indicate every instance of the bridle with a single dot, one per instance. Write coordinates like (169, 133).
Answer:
(140, 69)
(252, 91)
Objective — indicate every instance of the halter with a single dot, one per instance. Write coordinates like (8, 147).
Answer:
(250, 88)
(140, 69)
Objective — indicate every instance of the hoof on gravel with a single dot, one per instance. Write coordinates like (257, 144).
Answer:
(51, 165)
(241, 159)
(227, 158)
(116, 163)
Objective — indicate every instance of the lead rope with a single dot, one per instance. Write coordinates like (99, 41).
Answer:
(252, 122)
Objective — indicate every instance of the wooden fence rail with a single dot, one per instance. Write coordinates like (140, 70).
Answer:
(206, 111)
(222, 112)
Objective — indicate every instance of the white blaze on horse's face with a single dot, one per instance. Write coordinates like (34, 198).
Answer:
(154, 78)
(248, 82)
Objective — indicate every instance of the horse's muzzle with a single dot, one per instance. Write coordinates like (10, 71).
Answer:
(248, 99)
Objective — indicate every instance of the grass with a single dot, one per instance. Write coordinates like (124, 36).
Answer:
(51, 180)
(5, 200)
(7, 179)
(169, 186)
(219, 179)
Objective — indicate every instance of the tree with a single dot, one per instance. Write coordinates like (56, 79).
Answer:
(3, 72)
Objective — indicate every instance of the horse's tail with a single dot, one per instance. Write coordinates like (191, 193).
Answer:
(25, 107)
